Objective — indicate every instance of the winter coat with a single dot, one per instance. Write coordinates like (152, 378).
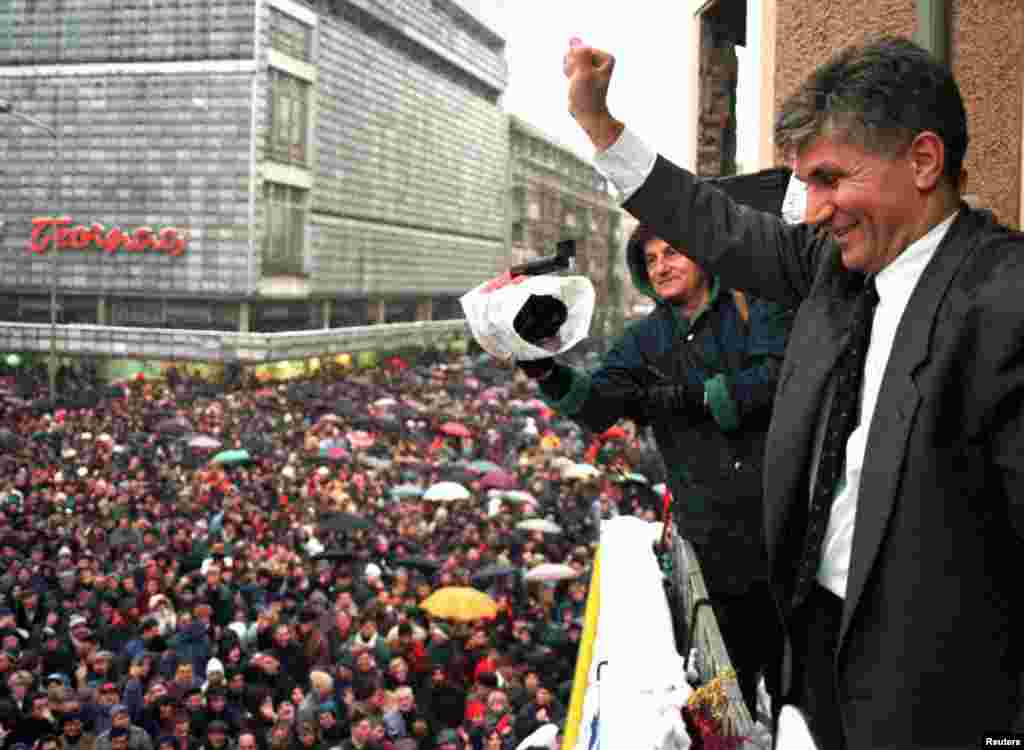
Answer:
(733, 349)
(138, 739)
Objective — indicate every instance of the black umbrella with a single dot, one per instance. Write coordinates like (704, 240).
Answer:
(337, 555)
(424, 564)
(8, 439)
(346, 409)
(175, 426)
(344, 522)
(490, 572)
(206, 390)
(122, 537)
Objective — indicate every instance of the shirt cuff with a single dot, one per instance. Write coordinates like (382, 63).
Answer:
(627, 163)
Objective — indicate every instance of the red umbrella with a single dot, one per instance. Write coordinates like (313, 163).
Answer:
(499, 480)
(614, 433)
(360, 440)
(455, 429)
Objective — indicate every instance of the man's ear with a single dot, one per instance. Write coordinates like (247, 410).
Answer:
(927, 154)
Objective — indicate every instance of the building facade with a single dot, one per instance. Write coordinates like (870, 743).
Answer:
(555, 195)
(249, 165)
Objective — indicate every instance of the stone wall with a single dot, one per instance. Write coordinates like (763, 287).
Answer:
(718, 76)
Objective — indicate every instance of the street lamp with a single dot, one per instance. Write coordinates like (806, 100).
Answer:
(7, 108)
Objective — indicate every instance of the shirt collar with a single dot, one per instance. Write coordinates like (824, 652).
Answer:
(908, 266)
(684, 323)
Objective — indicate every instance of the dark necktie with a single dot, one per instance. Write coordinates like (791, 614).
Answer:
(843, 417)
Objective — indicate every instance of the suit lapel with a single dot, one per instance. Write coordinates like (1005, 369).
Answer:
(819, 336)
(894, 412)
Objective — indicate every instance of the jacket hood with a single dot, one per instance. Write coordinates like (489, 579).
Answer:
(638, 268)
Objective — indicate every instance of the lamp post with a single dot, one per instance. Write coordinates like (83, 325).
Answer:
(7, 108)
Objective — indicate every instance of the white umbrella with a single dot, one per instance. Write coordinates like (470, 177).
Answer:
(561, 463)
(444, 492)
(540, 524)
(544, 737)
(551, 572)
(517, 497)
(580, 471)
(385, 401)
(204, 441)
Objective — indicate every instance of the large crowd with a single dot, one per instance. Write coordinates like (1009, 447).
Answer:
(189, 565)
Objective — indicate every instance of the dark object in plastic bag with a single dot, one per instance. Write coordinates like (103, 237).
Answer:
(540, 318)
(563, 259)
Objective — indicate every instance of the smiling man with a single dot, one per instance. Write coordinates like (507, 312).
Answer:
(894, 472)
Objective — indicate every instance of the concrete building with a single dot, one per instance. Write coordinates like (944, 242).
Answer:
(982, 41)
(249, 165)
(556, 195)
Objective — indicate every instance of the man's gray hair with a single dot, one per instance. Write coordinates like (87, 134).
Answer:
(879, 95)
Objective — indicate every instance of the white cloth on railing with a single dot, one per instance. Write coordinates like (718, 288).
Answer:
(642, 685)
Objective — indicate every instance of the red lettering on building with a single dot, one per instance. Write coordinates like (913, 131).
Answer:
(57, 232)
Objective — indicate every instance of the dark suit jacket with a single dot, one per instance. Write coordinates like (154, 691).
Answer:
(930, 641)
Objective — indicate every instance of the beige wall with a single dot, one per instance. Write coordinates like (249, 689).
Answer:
(808, 34)
(987, 55)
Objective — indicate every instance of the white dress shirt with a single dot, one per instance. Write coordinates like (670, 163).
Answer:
(629, 161)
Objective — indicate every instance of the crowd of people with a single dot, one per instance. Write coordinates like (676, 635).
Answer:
(186, 565)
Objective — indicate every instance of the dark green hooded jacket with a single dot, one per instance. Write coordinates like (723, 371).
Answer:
(714, 462)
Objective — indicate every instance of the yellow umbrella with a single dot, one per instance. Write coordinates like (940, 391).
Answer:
(461, 603)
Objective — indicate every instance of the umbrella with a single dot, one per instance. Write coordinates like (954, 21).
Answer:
(455, 429)
(499, 480)
(385, 401)
(444, 492)
(336, 454)
(374, 462)
(8, 439)
(123, 537)
(176, 426)
(204, 442)
(631, 476)
(539, 524)
(424, 564)
(337, 555)
(580, 471)
(551, 572)
(406, 490)
(460, 603)
(231, 457)
(360, 440)
(480, 466)
(344, 522)
(517, 497)
(496, 570)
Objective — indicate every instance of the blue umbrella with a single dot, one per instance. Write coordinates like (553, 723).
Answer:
(231, 457)
(406, 490)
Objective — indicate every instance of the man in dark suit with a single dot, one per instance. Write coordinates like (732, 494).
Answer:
(894, 479)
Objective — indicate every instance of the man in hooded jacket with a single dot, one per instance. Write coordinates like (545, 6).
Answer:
(701, 370)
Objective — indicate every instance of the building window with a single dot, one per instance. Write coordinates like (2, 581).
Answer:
(289, 116)
(284, 238)
(517, 231)
(290, 35)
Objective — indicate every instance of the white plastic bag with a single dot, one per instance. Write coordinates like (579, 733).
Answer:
(491, 309)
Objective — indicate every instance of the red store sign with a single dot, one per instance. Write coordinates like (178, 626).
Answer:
(57, 232)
